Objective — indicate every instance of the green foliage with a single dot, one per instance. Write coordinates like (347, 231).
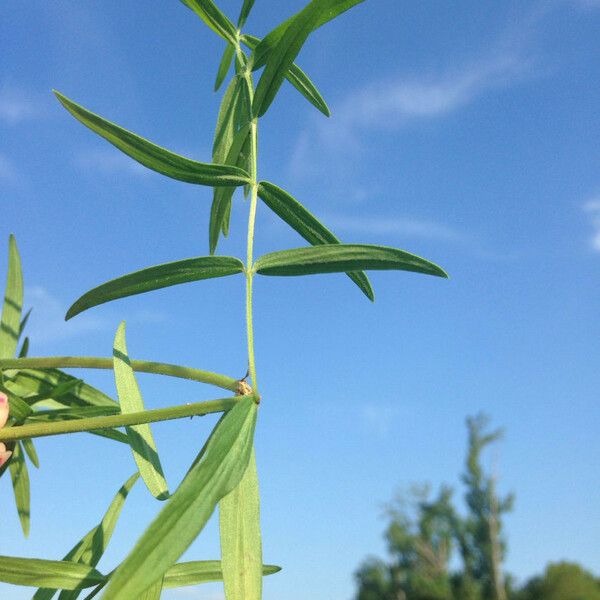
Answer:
(562, 581)
(43, 400)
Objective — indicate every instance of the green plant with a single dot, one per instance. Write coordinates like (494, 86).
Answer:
(46, 401)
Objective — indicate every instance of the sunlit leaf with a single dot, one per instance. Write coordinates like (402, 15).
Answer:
(23, 323)
(207, 10)
(283, 54)
(330, 10)
(154, 157)
(31, 452)
(189, 508)
(140, 436)
(246, 8)
(58, 574)
(306, 224)
(337, 258)
(20, 482)
(299, 79)
(201, 571)
(10, 322)
(90, 549)
(157, 277)
(224, 65)
(241, 546)
(221, 205)
(153, 592)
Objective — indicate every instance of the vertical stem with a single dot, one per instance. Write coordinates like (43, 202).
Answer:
(250, 243)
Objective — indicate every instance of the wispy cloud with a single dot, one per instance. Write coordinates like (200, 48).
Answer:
(47, 322)
(380, 418)
(109, 161)
(592, 208)
(17, 105)
(8, 171)
(401, 226)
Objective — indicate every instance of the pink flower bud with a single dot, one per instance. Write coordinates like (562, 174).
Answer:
(4, 454)
(3, 409)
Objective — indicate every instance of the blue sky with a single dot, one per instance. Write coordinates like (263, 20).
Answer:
(464, 133)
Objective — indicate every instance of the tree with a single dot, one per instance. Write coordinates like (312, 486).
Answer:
(562, 581)
(423, 533)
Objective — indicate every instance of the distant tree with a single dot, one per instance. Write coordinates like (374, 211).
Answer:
(561, 581)
(419, 539)
(422, 534)
(479, 535)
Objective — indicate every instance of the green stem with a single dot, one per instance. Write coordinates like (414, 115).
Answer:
(250, 244)
(142, 366)
(137, 418)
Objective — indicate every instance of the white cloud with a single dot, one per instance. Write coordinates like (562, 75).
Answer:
(401, 226)
(8, 171)
(16, 105)
(47, 322)
(380, 418)
(109, 161)
(592, 208)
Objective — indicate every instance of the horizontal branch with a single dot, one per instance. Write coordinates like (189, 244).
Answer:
(141, 366)
(8, 434)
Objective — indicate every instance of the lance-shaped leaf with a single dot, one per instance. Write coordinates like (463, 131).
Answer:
(306, 224)
(225, 127)
(90, 549)
(224, 65)
(19, 409)
(244, 12)
(13, 303)
(298, 78)
(37, 384)
(283, 55)
(207, 10)
(153, 592)
(331, 9)
(336, 258)
(221, 206)
(31, 452)
(154, 157)
(59, 574)
(241, 546)
(201, 571)
(157, 277)
(140, 436)
(20, 482)
(189, 508)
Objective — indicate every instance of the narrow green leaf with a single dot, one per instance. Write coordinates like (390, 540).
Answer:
(90, 549)
(221, 205)
(207, 10)
(140, 436)
(153, 592)
(20, 482)
(201, 571)
(24, 348)
(336, 258)
(224, 65)
(241, 546)
(157, 277)
(283, 55)
(31, 452)
(225, 127)
(189, 508)
(299, 79)
(43, 382)
(18, 408)
(332, 9)
(10, 321)
(154, 157)
(56, 573)
(306, 224)
(23, 323)
(246, 8)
